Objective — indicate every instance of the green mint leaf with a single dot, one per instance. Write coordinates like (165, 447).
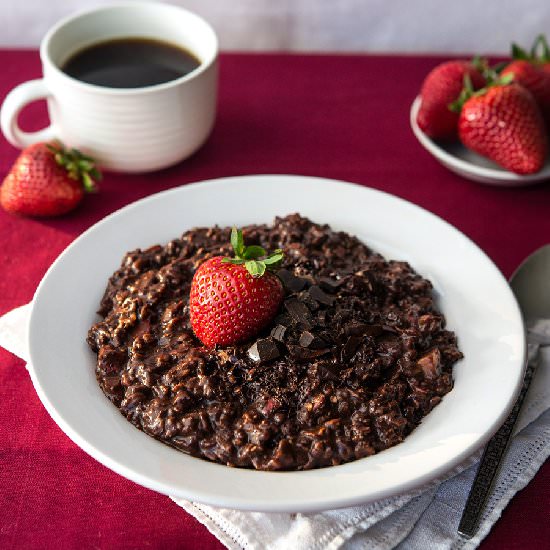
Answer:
(236, 261)
(234, 240)
(251, 256)
(253, 252)
(274, 259)
(237, 241)
(256, 269)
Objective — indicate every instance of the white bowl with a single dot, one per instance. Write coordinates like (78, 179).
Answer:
(470, 165)
(473, 295)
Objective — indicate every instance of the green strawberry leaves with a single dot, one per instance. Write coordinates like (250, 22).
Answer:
(256, 269)
(540, 51)
(237, 242)
(493, 79)
(254, 252)
(79, 166)
(255, 258)
(275, 259)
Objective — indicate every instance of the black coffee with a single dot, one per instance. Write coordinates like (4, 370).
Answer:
(130, 63)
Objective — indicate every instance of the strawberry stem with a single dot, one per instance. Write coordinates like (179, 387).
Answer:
(255, 258)
(79, 166)
(481, 64)
(519, 53)
(493, 79)
(539, 53)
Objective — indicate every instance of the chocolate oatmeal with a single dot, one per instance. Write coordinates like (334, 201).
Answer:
(356, 357)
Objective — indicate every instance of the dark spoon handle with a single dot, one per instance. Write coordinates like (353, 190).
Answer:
(490, 462)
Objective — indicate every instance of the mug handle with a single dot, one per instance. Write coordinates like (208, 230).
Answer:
(15, 101)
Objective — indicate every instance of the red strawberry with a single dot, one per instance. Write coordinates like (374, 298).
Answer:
(47, 180)
(442, 87)
(504, 124)
(533, 78)
(232, 300)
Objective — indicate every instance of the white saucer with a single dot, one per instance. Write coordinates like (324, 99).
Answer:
(470, 165)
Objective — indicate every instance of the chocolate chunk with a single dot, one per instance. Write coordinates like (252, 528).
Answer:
(342, 315)
(430, 364)
(283, 319)
(374, 330)
(326, 373)
(290, 281)
(263, 350)
(327, 335)
(299, 312)
(322, 317)
(312, 341)
(298, 352)
(350, 347)
(331, 285)
(429, 323)
(319, 296)
(358, 285)
(306, 339)
(306, 298)
(278, 332)
(356, 328)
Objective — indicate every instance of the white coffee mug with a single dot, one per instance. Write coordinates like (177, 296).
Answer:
(124, 129)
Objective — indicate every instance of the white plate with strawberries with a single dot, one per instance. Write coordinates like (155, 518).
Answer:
(490, 124)
(472, 294)
(468, 164)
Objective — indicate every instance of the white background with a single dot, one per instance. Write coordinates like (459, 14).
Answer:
(326, 25)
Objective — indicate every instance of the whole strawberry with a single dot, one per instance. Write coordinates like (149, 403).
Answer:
(534, 79)
(47, 180)
(233, 299)
(532, 72)
(503, 123)
(440, 88)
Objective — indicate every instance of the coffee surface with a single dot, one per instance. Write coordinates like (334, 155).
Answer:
(130, 63)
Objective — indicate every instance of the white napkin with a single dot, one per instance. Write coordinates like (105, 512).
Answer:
(425, 519)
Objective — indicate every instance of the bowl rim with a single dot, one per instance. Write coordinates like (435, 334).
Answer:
(236, 501)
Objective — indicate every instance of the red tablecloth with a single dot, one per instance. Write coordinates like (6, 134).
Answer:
(342, 117)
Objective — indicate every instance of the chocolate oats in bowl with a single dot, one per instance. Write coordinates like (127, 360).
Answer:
(356, 355)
